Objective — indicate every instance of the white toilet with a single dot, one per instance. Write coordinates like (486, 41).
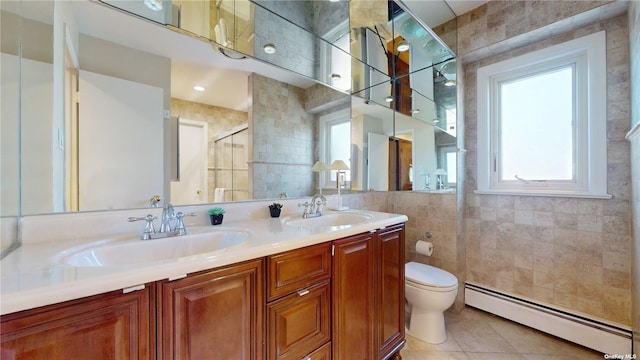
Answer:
(429, 291)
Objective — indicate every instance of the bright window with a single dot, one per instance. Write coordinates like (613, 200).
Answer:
(335, 131)
(447, 162)
(549, 145)
(542, 122)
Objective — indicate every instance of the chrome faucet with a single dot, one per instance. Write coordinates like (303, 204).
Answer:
(306, 205)
(313, 209)
(166, 230)
(316, 205)
(168, 215)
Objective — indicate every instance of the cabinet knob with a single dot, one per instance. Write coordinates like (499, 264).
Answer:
(303, 292)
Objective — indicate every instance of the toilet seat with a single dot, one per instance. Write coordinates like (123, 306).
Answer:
(429, 277)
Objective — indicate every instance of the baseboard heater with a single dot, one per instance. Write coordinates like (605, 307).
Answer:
(591, 333)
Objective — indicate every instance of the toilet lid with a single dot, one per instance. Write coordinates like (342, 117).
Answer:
(429, 275)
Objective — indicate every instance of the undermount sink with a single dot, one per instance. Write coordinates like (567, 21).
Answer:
(134, 252)
(331, 220)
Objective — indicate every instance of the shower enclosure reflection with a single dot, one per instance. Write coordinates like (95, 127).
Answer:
(231, 171)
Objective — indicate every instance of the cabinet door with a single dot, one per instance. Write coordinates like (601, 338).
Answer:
(323, 353)
(390, 293)
(213, 315)
(353, 304)
(107, 326)
(299, 323)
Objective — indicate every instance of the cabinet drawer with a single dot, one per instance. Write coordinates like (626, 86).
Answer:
(298, 269)
(299, 323)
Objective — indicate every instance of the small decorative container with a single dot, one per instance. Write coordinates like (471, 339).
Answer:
(216, 215)
(275, 210)
(216, 219)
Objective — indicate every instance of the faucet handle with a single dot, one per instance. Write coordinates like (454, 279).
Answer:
(180, 225)
(306, 205)
(148, 228)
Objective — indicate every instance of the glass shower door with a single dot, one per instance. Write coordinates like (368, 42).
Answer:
(231, 168)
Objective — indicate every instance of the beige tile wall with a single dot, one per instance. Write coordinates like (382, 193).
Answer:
(635, 287)
(572, 253)
(503, 25)
(634, 51)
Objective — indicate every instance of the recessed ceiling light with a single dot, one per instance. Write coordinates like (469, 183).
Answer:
(388, 99)
(334, 0)
(415, 111)
(199, 88)
(449, 83)
(269, 49)
(436, 120)
(155, 5)
(403, 46)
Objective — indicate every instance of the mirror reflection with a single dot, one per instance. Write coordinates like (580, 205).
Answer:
(253, 133)
(402, 151)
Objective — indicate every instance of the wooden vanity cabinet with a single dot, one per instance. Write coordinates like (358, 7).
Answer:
(339, 300)
(214, 314)
(368, 295)
(299, 307)
(389, 298)
(113, 325)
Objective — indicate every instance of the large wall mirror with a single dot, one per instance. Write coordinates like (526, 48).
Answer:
(404, 97)
(286, 84)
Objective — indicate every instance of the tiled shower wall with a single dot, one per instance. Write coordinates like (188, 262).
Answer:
(218, 119)
(568, 252)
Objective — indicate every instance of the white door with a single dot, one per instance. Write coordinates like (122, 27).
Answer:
(191, 188)
(120, 127)
(378, 163)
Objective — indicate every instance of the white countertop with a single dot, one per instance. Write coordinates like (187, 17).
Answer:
(33, 275)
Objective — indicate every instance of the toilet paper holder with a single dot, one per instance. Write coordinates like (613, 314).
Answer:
(424, 248)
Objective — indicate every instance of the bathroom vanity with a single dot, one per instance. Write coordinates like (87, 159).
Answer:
(297, 291)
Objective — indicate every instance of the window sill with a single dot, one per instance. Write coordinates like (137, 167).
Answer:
(544, 193)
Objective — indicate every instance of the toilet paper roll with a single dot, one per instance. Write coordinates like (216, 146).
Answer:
(424, 248)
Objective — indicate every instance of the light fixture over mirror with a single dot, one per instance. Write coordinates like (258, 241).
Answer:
(155, 5)
(269, 49)
(403, 46)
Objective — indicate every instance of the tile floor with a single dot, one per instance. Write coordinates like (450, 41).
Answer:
(476, 335)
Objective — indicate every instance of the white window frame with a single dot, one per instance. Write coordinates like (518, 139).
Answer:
(588, 55)
(326, 121)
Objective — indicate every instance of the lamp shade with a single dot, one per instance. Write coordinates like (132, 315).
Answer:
(440, 172)
(319, 166)
(339, 165)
